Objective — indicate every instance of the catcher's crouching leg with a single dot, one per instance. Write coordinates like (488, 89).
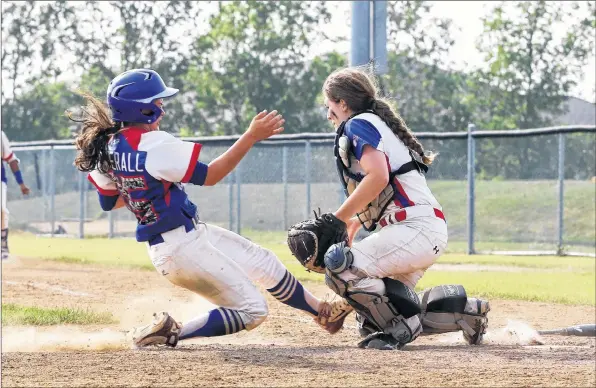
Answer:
(394, 327)
(447, 308)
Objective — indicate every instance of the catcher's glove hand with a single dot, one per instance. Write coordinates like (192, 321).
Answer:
(309, 240)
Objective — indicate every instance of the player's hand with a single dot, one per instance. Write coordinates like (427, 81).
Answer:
(24, 189)
(265, 125)
(354, 226)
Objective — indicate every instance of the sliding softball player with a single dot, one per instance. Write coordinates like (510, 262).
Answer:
(133, 164)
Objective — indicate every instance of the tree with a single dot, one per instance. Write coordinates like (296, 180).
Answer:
(530, 73)
(253, 58)
(531, 70)
(38, 113)
(31, 45)
(428, 94)
(45, 42)
(144, 35)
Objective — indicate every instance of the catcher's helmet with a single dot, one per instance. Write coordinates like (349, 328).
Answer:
(135, 90)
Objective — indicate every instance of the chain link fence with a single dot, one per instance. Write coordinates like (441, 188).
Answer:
(526, 191)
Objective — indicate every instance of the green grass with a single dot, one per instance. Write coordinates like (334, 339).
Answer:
(110, 252)
(574, 284)
(13, 314)
(555, 287)
(552, 262)
(509, 214)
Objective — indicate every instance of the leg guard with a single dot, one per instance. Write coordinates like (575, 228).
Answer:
(390, 325)
(447, 308)
(4, 243)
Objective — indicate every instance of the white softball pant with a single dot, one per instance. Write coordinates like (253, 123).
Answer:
(402, 251)
(220, 266)
(4, 208)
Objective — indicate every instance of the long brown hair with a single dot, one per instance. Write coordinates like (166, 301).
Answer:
(359, 91)
(92, 140)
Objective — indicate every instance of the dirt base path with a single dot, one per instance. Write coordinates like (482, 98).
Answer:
(286, 350)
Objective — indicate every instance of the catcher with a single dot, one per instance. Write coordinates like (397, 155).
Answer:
(381, 165)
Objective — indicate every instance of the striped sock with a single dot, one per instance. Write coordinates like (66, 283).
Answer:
(290, 291)
(216, 322)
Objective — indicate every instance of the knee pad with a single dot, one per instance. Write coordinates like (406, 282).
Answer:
(403, 297)
(375, 306)
(447, 308)
(378, 314)
(338, 259)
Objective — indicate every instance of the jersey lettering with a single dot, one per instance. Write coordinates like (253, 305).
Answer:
(123, 162)
(146, 168)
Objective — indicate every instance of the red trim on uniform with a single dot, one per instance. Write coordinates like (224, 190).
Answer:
(9, 156)
(194, 158)
(401, 190)
(132, 135)
(109, 193)
(166, 189)
(400, 215)
(439, 214)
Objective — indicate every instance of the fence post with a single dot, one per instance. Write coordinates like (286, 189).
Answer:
(52, 190)
(284, 178)
(560, 209)
(307, 164)
(44, 184)
(231, 201)
(471, 182)
(81, 205)
(111, 224)
(238, 197)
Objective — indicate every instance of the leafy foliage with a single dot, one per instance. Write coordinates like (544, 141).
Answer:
(251, 56)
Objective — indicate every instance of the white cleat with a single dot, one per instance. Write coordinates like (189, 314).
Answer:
(164, 330)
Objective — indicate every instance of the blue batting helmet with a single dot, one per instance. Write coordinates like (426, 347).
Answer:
(134, 91)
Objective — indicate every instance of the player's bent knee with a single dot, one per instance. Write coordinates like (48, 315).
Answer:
(256, 314)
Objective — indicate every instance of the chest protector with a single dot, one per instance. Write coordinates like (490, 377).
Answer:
(351, 174)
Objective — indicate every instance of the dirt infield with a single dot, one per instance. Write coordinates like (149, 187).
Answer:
(286, 350)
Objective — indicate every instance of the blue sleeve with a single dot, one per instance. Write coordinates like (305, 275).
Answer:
(107, 202)
(199, 174)
(360, 133)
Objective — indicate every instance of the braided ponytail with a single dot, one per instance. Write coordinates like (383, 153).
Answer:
(357, 87)
(399, 128)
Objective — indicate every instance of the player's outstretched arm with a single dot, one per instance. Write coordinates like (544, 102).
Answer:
(14, 166)
(263, 126)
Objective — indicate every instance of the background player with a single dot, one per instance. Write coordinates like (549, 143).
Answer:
(9, 157)
(133, 164)
(382, 166)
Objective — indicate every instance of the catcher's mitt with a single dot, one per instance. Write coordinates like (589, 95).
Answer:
(309, 240)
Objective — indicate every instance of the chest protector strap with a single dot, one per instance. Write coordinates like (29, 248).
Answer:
(350, 179)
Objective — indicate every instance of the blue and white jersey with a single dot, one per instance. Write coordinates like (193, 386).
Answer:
(148, 168)
(7, 155)
(368, 128)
